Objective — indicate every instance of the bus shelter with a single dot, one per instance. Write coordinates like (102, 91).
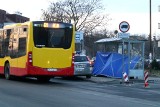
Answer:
(118, 55)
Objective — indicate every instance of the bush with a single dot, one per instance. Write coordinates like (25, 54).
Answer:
(155, 65)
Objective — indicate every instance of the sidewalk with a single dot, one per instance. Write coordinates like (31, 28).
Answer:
(154, 79)
(99, 79)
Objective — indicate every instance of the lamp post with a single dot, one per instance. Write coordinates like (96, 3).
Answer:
(150, 34)
(150, 26)
(150, 31)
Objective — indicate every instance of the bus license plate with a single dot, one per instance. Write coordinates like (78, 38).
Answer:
(51, 69)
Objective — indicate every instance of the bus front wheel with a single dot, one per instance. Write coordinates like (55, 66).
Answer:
(7, 71)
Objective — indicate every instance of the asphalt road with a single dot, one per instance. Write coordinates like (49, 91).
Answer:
(77, 92)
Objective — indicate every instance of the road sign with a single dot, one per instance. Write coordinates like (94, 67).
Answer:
(78, 37)
(123, 35)
(124, 26)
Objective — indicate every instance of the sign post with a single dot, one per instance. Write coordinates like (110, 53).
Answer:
(123, 27)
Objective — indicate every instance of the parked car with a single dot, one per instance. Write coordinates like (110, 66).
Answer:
(82, 66)
(90, 62)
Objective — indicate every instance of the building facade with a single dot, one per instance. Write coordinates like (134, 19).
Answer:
(2, 17)
(17, 18)
(11, 18)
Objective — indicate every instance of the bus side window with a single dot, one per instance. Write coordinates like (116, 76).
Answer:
(6, 41)
(14, 46)
(22, 42)
(1, 44)
(10, 47)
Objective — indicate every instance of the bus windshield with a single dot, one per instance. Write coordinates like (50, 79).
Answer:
(51, 37)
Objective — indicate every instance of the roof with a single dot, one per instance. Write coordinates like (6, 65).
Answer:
(131, 38)
(108, 40)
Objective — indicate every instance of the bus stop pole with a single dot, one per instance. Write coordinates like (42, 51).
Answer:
(123, 60)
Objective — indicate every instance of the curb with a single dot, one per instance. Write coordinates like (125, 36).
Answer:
(155, 81)
(97, 79)
(102, 79)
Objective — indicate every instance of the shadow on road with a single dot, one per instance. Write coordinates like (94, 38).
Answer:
(28, 80)
(74, 78)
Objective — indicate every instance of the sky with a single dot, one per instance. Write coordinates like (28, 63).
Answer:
(28, 8)
(135, 12)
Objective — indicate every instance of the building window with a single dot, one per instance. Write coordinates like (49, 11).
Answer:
(4, 16)
(0, 18)
(158, 25)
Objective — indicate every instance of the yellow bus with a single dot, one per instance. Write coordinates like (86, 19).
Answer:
(41, 49)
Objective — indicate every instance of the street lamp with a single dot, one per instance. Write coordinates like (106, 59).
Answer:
(150, 31)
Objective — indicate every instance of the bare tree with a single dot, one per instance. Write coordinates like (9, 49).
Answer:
(87, 15)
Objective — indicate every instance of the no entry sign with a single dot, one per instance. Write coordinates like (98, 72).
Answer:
(124, 26)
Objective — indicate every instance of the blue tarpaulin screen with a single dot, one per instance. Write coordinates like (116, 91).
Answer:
(113, 64)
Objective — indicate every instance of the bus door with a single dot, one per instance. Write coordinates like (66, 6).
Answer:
(22, 55)
(2, 53)
(11, 49)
